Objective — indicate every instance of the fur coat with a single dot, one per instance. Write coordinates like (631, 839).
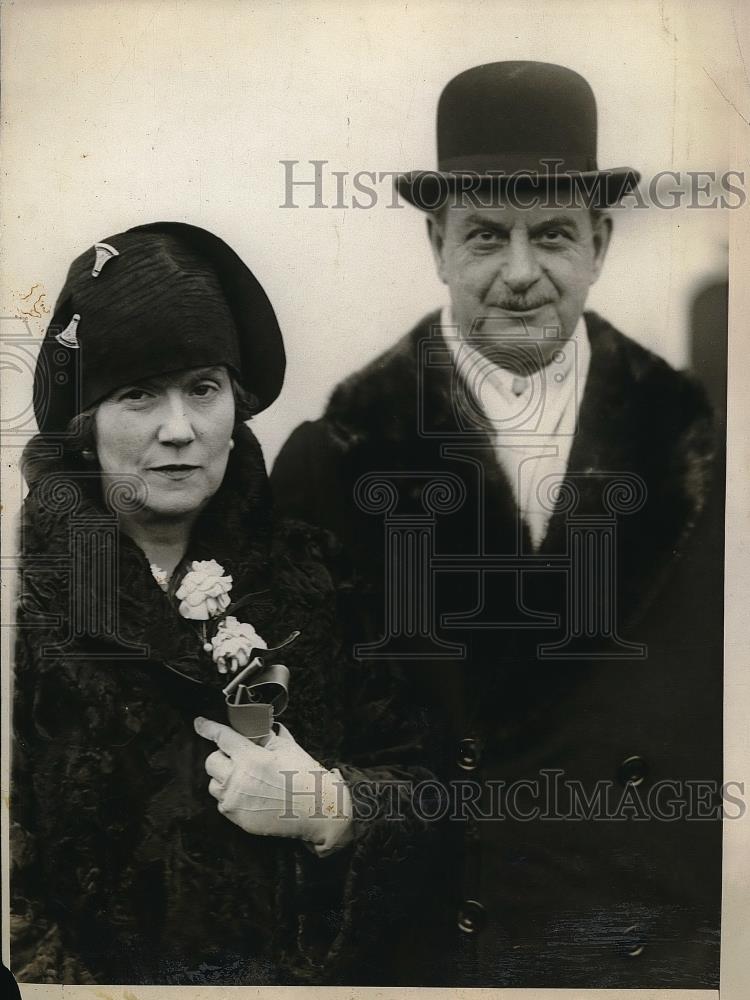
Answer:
(123, 871)
(503, 902)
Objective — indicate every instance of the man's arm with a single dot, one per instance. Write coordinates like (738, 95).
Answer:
(383, 758)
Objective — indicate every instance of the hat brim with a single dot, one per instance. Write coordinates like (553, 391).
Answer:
(429, 190)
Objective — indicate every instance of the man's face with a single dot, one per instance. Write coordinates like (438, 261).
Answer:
(513, 269)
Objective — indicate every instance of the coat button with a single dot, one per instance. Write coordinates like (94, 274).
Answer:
(472, 917)
(632, 771)
(468, 754)
(633, 943)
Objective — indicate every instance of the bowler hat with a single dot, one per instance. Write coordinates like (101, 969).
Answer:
(531, 121)
(155, 299)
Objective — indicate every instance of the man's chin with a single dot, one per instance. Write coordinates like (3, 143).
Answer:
(539, 324)
(518, 343)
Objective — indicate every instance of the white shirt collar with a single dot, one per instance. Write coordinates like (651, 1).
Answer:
(496, 394)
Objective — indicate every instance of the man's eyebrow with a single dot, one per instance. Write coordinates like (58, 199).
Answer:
(561, 221)
(481, 220)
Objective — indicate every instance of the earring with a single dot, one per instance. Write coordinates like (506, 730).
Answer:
(231, 443)
(88, 454)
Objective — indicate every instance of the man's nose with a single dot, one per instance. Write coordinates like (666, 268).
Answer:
(520, 267)
(176, 428)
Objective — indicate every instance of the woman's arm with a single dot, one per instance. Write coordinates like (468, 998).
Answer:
(38, 950)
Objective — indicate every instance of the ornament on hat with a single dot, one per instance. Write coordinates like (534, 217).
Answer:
(104, 252)
(68, 335)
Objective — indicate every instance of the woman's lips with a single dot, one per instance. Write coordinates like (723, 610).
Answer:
(176, 472)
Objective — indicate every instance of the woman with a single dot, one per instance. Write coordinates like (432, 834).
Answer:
(152, 568)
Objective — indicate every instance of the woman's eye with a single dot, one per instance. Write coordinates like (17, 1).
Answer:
(134, 395)
(204, 389)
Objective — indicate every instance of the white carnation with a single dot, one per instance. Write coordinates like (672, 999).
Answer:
(233, 643)
(204, 591)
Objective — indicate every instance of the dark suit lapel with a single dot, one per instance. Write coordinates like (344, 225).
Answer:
(645, 428)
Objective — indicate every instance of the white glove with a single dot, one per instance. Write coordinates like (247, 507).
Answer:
(277, 790)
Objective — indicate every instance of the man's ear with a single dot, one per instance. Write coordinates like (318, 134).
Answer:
(436, 234)
(601, 235)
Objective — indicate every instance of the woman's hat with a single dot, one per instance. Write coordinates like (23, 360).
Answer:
(531, 120)
(155, 299)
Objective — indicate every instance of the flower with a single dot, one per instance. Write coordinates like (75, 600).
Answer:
(204, 591)
(161, 577)
(233, 643)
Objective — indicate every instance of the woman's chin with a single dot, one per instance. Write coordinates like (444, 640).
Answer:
(175, 503)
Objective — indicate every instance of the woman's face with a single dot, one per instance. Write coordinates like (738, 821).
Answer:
(173, 434)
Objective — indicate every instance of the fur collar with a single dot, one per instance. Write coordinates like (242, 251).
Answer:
(65, 496)
(623, 376)
(638, 416)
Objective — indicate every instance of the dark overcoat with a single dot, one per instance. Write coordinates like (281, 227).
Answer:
(527, 684)
(122, 869)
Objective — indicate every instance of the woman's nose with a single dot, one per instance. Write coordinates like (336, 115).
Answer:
(520, 267)
(176, 427)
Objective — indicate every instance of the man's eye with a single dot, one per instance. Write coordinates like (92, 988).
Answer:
(553, 235)
(484, 237)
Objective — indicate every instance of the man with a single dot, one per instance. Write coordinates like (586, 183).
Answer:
(533, 533)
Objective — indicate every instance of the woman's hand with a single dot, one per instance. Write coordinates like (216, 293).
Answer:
(277, 790)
